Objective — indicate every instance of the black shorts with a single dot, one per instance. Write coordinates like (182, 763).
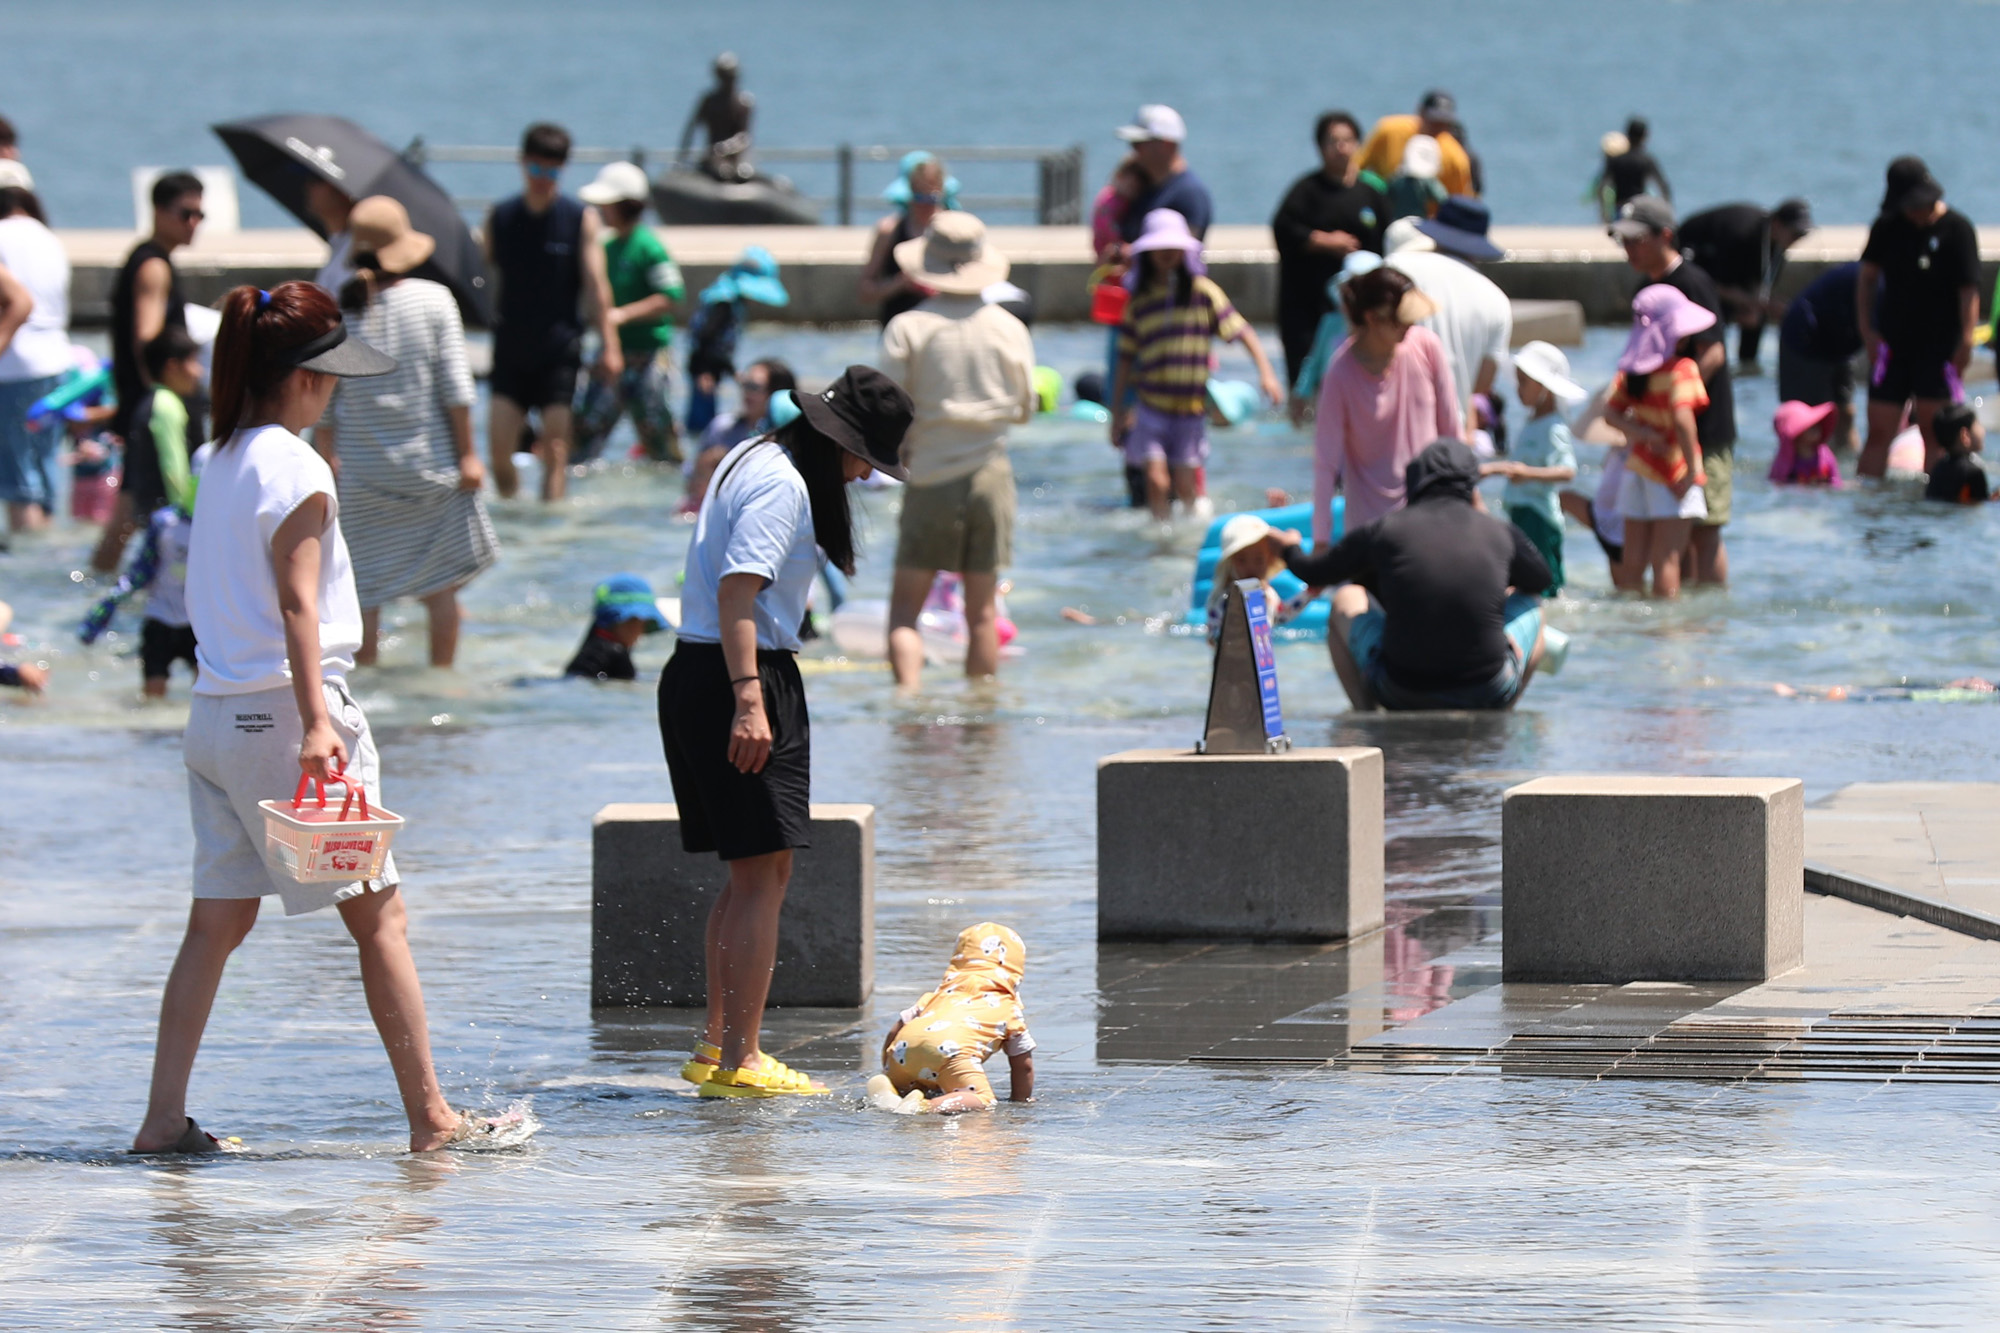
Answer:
(1814, 380)
(731, 813)
(161, 645)
(537, 375)
(1918, 374)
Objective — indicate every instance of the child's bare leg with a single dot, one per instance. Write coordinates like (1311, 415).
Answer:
(963, 1092)
(1670, 540)
(1187, 488)
(1159, 489)
(1638, 552)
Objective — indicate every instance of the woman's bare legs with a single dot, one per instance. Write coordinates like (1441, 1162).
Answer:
(371, 636)
(380, 928)
(746, 948)
(215, 927)
(443, 610)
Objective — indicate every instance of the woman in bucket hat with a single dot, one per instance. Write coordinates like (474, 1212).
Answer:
(401, 444)
(732, 707)
(1165, 345)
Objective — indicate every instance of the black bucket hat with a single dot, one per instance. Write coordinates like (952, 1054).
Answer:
(866, 413)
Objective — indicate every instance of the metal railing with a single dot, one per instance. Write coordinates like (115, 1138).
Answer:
(1058, 198)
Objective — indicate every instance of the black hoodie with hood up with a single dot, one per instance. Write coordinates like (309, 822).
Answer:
(1441, 570)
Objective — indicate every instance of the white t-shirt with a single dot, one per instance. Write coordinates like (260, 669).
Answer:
(1474, 319)
(38, 262)
(755, 519)
(251, 485)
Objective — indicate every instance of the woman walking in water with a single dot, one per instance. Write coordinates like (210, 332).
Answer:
(272, 601)
(732, 706)
(401, 443)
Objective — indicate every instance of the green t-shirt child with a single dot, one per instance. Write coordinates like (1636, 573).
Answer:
(639, 266)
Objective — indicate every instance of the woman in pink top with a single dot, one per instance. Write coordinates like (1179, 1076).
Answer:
(1387, 394)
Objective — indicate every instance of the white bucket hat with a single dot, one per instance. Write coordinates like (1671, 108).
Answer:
(1422, 157)
(14, 175)
(617, 183)
(1241, 533)
(1545, 364)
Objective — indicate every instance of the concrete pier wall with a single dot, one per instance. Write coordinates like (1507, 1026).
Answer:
(822, 264)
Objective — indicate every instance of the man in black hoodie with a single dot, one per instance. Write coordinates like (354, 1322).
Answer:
(1454, 618)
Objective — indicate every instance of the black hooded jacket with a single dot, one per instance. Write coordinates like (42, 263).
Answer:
(1441, 570)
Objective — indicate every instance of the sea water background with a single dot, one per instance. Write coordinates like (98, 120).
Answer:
(1755, 99)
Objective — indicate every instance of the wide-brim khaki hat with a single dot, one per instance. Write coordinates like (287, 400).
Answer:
(380, 226)
(951, 256)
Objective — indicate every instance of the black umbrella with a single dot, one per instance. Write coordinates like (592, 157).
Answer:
(283, 154)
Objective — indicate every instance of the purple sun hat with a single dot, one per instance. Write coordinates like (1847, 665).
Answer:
(1661, 317)
(1167, 230)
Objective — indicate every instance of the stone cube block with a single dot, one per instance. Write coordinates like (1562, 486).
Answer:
(1239, 846)
(650, 902)
(1617, 879)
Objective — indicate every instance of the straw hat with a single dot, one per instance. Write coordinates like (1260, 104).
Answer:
(951, 256)
(381, 227)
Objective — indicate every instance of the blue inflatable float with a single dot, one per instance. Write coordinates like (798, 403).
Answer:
(1311, 622)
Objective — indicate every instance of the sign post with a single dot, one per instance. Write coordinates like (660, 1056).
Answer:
(1243, 712)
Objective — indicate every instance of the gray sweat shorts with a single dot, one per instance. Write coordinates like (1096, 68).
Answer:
(244, 748)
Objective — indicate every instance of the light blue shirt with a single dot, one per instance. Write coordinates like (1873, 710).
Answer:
(755, 519)
(1543, 442)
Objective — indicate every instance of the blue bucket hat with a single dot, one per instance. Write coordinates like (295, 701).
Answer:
(1460, 228)
(753, 277)
(625, 597)
(898, 192)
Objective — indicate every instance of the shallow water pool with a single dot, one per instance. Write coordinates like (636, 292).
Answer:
(1140, 1188)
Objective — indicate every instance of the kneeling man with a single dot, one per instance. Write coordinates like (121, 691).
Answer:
(1454, 619)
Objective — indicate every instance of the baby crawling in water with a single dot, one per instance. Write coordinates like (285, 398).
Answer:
(934, 1058)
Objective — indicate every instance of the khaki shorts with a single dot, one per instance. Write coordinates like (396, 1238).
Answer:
(965, 526)
(244, 748)
(1717, 488)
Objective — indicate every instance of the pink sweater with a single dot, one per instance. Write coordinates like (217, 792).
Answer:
(1370, 427)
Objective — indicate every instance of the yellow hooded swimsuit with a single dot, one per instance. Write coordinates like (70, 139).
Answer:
(945, 1037)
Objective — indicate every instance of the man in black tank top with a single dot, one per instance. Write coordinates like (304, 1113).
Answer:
(547, 252)
(146, 300)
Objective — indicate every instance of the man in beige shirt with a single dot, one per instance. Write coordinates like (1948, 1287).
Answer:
(970, 369)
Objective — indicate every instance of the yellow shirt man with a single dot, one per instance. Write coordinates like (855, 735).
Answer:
(1383, 152)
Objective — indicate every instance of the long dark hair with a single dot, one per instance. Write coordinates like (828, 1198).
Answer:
(1149, 273)
(14, 200)
(1380, 289)
(258, 330)
(819, 460)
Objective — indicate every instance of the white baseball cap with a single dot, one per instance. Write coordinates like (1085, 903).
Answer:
(1155, 121)
(617, 183)
(14, 175)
